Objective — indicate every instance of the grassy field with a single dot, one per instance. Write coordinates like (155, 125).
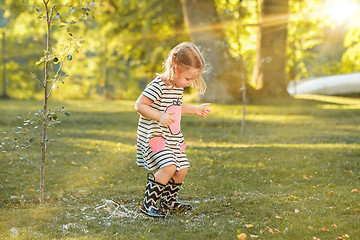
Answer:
(293, 174)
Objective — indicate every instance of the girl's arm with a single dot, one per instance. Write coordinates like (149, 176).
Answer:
(201, 110)
(142, 106)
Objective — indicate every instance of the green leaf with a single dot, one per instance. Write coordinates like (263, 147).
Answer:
(37, 9)
(40, 61)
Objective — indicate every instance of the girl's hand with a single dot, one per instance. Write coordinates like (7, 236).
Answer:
(203, 110)
(166, 119)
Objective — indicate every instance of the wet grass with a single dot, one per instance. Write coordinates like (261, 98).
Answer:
(292, 174)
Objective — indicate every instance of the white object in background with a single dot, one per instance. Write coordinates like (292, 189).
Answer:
(331, 85)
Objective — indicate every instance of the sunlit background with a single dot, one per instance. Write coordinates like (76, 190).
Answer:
(341, 10)
(122, 45)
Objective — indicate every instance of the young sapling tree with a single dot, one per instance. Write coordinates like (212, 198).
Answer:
(35, 129)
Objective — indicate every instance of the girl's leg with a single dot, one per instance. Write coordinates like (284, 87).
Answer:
(164, 175)
(152, 196)
(179, 176)
(168, 200)
(154, 190)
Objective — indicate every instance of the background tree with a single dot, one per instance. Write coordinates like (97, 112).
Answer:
(351, 57)
(21, 50)
(3, 22)
(270, 68)
(137, 41)
(226, 74)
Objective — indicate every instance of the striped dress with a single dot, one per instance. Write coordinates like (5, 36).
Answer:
(159, 146)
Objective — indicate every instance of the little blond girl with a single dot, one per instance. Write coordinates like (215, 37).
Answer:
(160, 143)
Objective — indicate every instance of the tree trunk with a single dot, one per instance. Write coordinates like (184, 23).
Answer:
(3, 62)
(225, 75)
(270, 69)
(48, 16)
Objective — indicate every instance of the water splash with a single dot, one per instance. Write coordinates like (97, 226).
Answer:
(118, 210)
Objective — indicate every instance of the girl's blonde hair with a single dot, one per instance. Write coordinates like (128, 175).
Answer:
(184, 55)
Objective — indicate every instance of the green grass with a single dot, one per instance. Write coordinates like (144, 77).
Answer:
(293, 170)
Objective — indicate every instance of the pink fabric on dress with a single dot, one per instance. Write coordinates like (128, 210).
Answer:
(182, 147)
(175, 108)
(157, 144)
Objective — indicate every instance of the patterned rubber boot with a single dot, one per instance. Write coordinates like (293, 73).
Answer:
(152, 196)
(168, 199)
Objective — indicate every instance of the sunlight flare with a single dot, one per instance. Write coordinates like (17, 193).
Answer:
(342, 10)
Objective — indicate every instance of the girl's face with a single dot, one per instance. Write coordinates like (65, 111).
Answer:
(185, 77)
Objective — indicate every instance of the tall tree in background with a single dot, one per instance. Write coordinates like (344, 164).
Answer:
(269, 72)
(225, 76)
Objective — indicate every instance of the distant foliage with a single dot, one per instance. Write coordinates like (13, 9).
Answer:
(351, 57)
(241, 19)
(125, 43)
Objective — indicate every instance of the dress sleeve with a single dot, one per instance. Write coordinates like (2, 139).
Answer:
(153, 90)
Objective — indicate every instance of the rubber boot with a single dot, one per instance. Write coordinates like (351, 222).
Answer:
(152, 195)
(168, 199)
